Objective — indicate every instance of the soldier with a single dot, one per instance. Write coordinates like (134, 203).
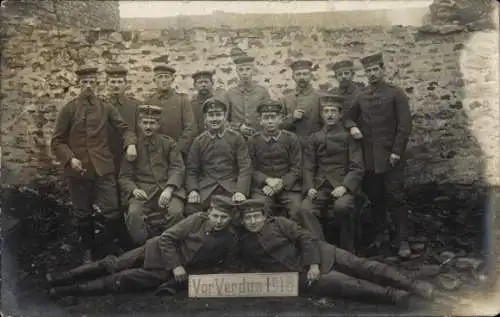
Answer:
(177, 120)
(218, 162)
(243, 99)
(277, 244)
(203, 242)
(153, 183)
(344, 73)
(81, 143)
(126, 106)
(302, 105)
(277, 166)
(382, 115)
(333, 171)
(204, 84)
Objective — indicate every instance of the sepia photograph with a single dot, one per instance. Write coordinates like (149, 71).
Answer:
(250, 158)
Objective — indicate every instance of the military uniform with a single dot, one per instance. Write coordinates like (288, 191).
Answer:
(218, 163)
(279, 156)
(381, 111)
(177, 121)
(82, 132)
(198, 100)
(191, 243)
(306, 99)
(282, 246)
(243, 99)
(127, 107)
(333, 158)
(158, 165)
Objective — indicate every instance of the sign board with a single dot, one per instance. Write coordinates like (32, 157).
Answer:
(244, 285)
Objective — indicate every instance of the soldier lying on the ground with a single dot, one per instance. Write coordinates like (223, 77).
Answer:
(203, 242)
(277, 244)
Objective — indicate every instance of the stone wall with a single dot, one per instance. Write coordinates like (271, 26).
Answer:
(451, 79)
(48, 13)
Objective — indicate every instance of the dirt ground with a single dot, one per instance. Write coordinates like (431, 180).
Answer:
(38, 237)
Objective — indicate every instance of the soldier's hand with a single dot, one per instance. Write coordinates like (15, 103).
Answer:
(394, 159)
(247, 130)
(131, 153)
(339, 191)
(268, 191)
(298, 114)
(356, 133)
(165, 197)
(76, 164)
(194, 197)
(140, 194)
(238, 197)
(313, 273)
(179, 274)
(312, 193)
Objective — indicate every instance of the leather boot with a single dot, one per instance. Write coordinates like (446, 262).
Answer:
(96, 287)
(338, 284)
(85, 271)
(120, 231)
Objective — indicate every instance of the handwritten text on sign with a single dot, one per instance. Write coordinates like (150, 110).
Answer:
(244, 285)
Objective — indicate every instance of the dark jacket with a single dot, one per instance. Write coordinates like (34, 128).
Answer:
(158, 164)
(281, 158)
(333, 156)
(307, 100)
(177, 120)
(291, 245)
(382, 113)
(215, 161)
(82, 132)
(179, 244)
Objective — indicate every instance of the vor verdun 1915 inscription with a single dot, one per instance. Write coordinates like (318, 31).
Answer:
(244, 285)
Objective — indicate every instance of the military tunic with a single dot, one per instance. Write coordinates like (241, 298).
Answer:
(177, 119)
(242, 104)
(333, 158)
(382, 113)
(217, 161)
(283, 246)
(185, 244)
(82, 132)
(158, 165)
(307, 100)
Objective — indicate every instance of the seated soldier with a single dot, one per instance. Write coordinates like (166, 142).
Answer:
(201, 243)
(277, 244)
(333, 170)
(218, 161)
(277, 166)
(153, 183)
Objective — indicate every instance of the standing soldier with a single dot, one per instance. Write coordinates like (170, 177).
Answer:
(81, 143)
(177, 120)
(117, 83)
(218, 162)
(302, 105)
(153, 183)
(333, 171)
(277, 166)
(204, 84)
(344, 73)
(381, 114)
(243, 99)
(201, 243)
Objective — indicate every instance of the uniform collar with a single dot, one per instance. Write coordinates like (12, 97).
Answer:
(304, 91)
(150, 140)
(118, 98)
(165, 94)
(337, 126)
(376, 87)
(216, 135)
(271, 137)
(90, 99)
(246, 87)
